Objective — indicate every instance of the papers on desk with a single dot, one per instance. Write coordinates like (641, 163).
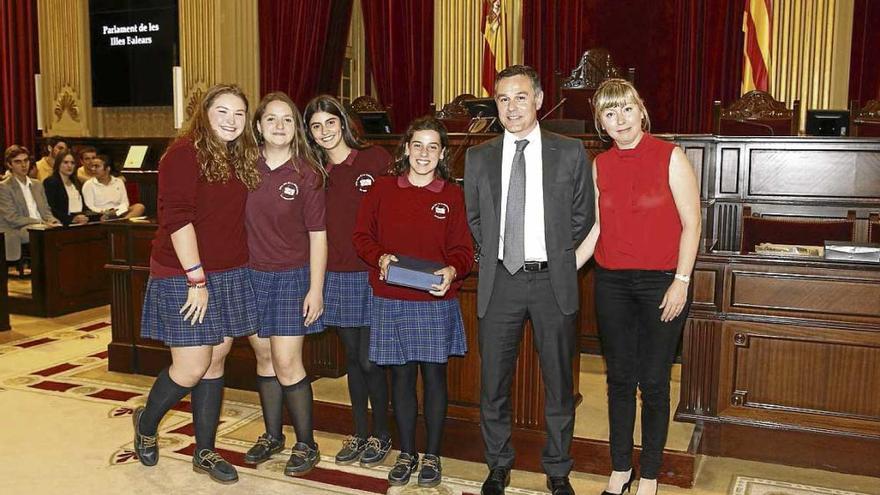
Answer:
(38, 226)
(835, 250)
(789, 250)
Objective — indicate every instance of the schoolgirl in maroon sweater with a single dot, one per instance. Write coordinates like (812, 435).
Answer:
(287, 244)
(199, 296)
(353, 167)
(417, 212)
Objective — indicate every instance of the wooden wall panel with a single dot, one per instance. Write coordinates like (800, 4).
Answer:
(814, 173)
(837, 295)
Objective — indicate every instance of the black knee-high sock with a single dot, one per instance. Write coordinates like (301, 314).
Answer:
(406, 407)
(298, 398)
(163, 396)
(357, 384)
(207, 398)
(377, 386)
(434, 380)
(272, 403)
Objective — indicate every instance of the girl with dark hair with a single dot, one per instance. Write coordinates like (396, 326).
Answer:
(420, 213)
(353, 167)
(288, 256)
(199, 295)
(64, 191)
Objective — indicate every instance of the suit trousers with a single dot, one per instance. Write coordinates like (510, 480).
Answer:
(639, 350)
(515, 298)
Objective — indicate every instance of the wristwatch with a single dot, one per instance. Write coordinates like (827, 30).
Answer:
(684, 278)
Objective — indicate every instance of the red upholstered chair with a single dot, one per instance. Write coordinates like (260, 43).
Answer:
(865, 120)
(133, 191)
(756, 114)
(874, 228)
(454, 114)
(594, 67)
(806, 232)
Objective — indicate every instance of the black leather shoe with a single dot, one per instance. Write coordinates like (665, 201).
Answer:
(264, 449)
(376, 451)
(559, 485)
(626, 486)
(211, 463)
(403, 469)
(352, 448)
(495, 483)
(145, 446)
(302, 459)
(431, 473)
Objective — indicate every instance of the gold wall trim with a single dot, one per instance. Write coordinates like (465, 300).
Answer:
(62, 26)
(811, 53)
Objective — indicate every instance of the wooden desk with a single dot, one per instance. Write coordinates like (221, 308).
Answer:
(781, 361)
(4, 289)
(67, 271)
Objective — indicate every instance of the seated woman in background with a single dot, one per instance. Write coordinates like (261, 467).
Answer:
(63, 191)
(105, 193)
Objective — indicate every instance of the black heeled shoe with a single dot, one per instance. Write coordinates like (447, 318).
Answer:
(626, 486)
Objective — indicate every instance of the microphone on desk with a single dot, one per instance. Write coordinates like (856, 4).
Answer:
(554, 108)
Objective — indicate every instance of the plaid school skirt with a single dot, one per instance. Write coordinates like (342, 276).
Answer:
(231, 311)
(403, 331)
(280, 297)
(347, 299)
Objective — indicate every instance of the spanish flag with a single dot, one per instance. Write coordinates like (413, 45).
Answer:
(495, 48)
(757, 25)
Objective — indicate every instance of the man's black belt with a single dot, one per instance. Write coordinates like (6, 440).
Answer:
(532, 266)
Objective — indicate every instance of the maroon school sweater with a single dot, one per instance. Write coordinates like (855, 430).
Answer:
(349, 181)
(215, 210)
(422, 222)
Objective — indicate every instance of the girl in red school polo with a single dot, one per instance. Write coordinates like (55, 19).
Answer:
(353, 166)
(418, 212)
(287, 243)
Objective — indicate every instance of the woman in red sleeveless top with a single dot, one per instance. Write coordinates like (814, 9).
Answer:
(645, 242)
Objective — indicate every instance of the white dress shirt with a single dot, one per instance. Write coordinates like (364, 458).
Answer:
(533, 233)
(25, 186)
(100, 198)
(74, 200)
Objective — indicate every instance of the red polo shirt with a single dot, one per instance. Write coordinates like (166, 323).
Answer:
(423, 222)
(280, 214)
(215, 210)
(348, 183)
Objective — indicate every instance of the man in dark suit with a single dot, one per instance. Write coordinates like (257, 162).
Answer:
(23, 202)
(530, 203)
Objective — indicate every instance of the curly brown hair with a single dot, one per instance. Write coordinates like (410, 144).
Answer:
(299, 146)
(216, 158)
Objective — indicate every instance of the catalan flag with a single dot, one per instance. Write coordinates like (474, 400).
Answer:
(757, 25)
(495, 47)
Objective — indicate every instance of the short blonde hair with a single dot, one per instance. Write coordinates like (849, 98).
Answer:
(616, 93)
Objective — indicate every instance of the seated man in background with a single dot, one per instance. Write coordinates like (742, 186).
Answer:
(55, 146)
(84, 156)
(23, 203)
(105, 193)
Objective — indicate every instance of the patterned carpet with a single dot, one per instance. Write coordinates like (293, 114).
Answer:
(744, 485)
(85, 378)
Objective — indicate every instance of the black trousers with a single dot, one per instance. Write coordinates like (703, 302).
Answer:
(515, 298)
(639, 350)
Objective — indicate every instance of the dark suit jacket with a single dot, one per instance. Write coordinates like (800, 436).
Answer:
(56, 195)
(568, 211)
